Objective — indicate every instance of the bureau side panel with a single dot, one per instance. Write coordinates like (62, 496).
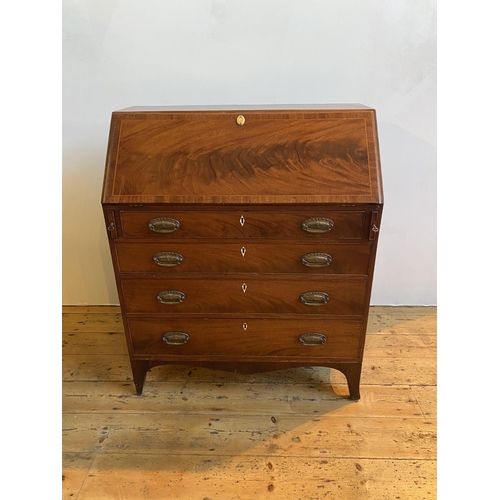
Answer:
(111, 218)
(374, 218)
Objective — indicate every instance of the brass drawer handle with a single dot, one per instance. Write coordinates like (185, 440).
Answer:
(312, 339)
(164, 225)
(175, 338)
(314, 298)
(317, 225)
(168, 259)
(170, 297)
(316, 259)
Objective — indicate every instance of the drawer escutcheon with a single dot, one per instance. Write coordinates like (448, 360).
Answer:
(317, 225)
(175, 338)
(170, 297)
(314, 298)
(164, 225)
(312, 339)
(316, 259)
(168, 259)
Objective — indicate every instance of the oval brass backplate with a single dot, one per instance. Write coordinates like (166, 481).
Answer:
(316, 259)
(317, 225)
(175, 338)
(170, 297)
(240, 120)
(312, 339)
(167, 259)
(314, 298)
(164, 225)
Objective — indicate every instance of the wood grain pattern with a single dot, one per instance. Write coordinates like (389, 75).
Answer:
(401, 345)
(93, 322)
(426, 397)
(348, 225)
(379, 346)
(195, 396)
(246, 256)
(219, 296)
(75, 469)
(322, 436)
(391, 371)
(245, 478)
(252, 339)
(94, 343)
(402, 321)
(88, 309)
(291, 434)
(276, 157)
(382, 320)
(208, 179)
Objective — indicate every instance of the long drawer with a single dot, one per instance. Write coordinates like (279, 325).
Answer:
(248, 294)
(337, 225)
(244, 257)
(294, 338)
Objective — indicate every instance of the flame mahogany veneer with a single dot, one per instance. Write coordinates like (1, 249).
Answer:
(244, 239)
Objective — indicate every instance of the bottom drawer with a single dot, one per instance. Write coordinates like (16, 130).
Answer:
(223, 339)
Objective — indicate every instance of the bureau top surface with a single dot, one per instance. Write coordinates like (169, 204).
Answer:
(243, 155)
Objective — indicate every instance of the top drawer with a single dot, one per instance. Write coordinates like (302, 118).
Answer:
(337, 225)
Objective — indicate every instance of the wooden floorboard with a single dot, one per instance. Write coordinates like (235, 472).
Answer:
(160, 477)
(92, 322)
(426, 397)
(198, 397)
(227, 435)
(75, 470)
(379, 371)
(90, 309)
(293, 435)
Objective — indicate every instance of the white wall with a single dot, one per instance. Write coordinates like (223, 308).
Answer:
(382, 53)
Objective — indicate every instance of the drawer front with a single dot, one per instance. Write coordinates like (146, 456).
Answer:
(247, 294)
(246, 338)
(336, 225)
(245, 257)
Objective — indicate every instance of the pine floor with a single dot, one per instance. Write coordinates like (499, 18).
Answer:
(199, 434)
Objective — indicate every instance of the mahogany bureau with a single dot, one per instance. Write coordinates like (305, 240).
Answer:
(244, 238)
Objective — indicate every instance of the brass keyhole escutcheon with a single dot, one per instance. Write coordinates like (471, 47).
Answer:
(244, 287)
(245, 326)
(243, 251)
(242, 221)
(240, 120)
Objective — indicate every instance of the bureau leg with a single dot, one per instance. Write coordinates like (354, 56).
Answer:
(352, 372)
(139, 370)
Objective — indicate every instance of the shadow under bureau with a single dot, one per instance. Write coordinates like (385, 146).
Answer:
(244, 239)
